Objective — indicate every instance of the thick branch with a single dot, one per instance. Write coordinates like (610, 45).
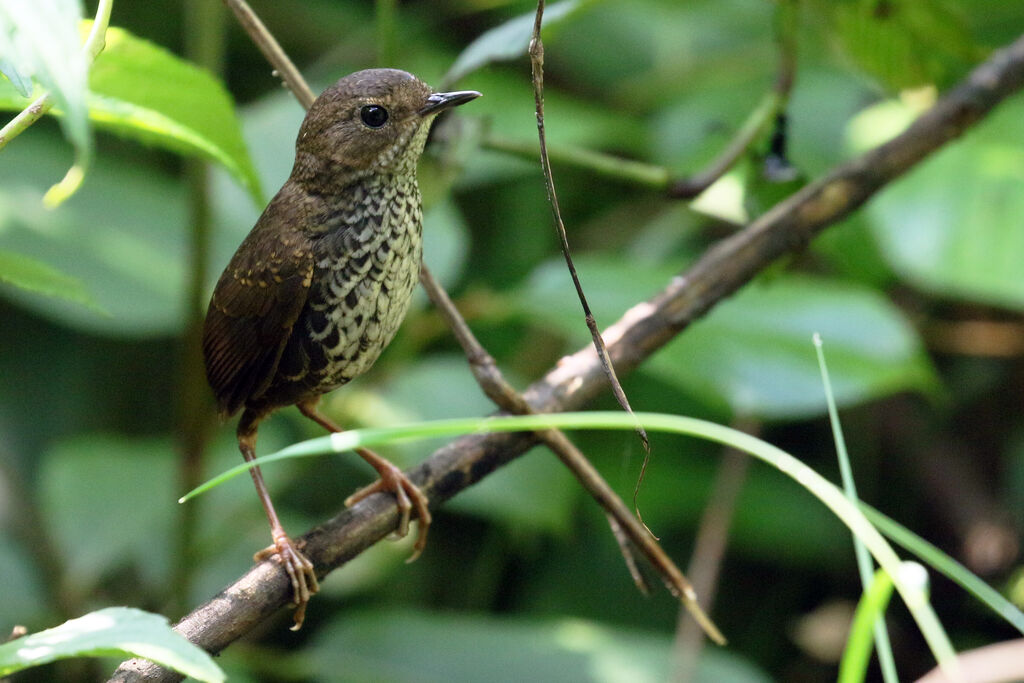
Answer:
(641, 331)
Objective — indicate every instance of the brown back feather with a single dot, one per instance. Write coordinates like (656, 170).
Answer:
(254, 308)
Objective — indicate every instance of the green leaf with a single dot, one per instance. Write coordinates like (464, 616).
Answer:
(753, 353)
(509, 40)
(870, 609)
(903, 43)
(123, 235)
(35, 276)
(953, 226)
(470, 647)
(114, 631)
(143, 92)
(40, 39)
(21, 82)
(107, 502)
(24, 592)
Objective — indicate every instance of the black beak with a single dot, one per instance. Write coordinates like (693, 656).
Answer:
(440, 101)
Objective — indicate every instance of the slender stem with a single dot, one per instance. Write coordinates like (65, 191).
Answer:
(617, 168)
(25, 118)
(204, 45)
(97, 38)
(757, 122)
(865, 568)
(271, 49)
(386, 42)
(658, 177)
(537, 72)
(708, 553)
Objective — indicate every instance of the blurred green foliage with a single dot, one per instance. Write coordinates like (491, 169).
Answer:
(521, 578)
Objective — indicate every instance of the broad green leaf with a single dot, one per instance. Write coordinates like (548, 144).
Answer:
(109, 502)
(143, 92)
(123, 235)
(640, 55)
(35, 276)
(955, 225)
(903, 43)
(24, 592)
(44, 43)
(753, 352)
(509, 40)
(114, 631)
(471, 647)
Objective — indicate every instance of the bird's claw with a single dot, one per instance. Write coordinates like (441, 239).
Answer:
(407, 496)
(300, 572)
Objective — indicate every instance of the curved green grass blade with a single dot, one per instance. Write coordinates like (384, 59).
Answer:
(945, 565)
(870, 610)
(915, 599)
(864, 566)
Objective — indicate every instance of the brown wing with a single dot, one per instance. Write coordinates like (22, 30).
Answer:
(254, 307)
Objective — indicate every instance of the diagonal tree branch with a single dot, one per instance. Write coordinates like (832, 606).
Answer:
(642, 330)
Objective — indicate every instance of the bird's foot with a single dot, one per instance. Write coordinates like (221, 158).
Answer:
(300, 572)
(408, 496)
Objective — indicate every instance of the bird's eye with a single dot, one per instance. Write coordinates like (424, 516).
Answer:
(374, 115)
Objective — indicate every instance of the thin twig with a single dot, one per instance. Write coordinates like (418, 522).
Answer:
(644, 329)
(204, 45)
(644, 174)
(385, 18)
(537, 71)
(271, 49)
(772, 104)
(489, 376)
(708, 552)
(622, 170)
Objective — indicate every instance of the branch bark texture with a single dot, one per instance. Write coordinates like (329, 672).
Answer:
(646, 327)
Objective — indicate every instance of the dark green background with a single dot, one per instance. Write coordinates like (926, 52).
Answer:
(521, 579)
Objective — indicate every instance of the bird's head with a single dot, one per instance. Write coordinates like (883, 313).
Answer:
(372, 121)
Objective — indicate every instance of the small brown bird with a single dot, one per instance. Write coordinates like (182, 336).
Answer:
(320, 285)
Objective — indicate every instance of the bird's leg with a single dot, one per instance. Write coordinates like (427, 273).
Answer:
(407, 494)
(300, 570)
